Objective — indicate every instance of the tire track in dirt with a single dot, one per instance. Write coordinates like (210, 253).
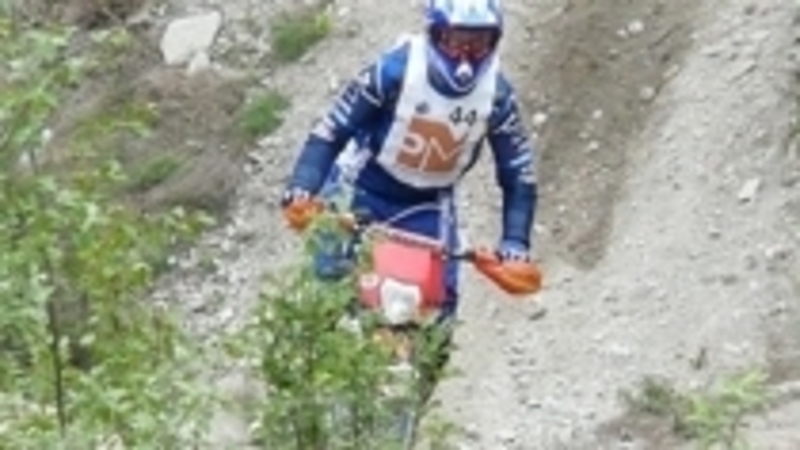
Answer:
(602, 65)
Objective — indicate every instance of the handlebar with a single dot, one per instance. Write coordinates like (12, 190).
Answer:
(517, 278)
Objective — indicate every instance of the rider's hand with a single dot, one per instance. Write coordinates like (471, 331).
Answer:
(513, 251)
(298, 207)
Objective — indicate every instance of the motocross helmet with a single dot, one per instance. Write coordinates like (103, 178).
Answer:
(462, 38)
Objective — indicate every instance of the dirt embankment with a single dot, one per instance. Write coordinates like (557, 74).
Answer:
(668, 224)
(600, 68)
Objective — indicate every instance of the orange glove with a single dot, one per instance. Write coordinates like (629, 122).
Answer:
(299, 209)
(515, 277)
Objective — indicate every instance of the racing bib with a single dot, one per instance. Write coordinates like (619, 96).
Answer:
(433, 137)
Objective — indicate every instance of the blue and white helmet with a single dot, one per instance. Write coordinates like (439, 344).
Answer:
(462, 40)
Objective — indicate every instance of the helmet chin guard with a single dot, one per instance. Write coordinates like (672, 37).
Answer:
(464, 71)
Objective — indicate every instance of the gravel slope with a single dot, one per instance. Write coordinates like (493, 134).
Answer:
(650, 254)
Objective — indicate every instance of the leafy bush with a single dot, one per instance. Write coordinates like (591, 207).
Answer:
(329, 382)
(83, 362)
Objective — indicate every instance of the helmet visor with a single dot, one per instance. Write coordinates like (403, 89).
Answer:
(471, 44)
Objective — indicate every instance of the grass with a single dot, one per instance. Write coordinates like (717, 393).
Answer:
(264, 114)
(711, 416)
(154, 172)
(294, 34)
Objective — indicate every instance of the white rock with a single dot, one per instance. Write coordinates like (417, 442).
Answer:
(199, 62)
(507, 436)
(186, 37)
(635, 27)
(748, 192)
(539, 119)
(647, 93)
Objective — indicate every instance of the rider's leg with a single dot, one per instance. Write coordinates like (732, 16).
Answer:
(443, 332)
(333, 257)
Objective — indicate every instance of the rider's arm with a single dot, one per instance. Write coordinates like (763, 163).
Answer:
(515, 162)
(353, 110)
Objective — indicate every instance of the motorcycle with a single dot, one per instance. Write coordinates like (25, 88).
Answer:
(398, 283)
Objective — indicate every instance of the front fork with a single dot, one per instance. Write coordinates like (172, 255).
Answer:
(421, 353)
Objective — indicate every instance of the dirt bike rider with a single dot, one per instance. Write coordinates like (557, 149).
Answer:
(418, 117)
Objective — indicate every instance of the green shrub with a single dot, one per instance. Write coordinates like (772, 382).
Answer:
(711, 417)
(264, 114)
(294, 34)
(83, 361)
(154, 171)
(325, 377)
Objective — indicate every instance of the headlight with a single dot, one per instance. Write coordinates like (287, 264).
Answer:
(399, 301)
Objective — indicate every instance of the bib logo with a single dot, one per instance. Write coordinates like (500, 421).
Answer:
(429, 146)
(434, 146)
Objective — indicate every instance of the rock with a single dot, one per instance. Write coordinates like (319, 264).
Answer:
(777, 258)
(472, 431)
(507, 436)
(618, 351)
(750, 262)
(647, 93)
(537, 313)
(186, 37)
(609, 296)
(748, 192)
(729, 279)
(635, 27)
(539, 119)
(199, 62)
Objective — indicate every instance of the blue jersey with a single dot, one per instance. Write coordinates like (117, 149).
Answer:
(365, 111)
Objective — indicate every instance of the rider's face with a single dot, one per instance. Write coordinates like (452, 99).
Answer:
(470, 44)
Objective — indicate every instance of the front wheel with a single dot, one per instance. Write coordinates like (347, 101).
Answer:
(423, 366)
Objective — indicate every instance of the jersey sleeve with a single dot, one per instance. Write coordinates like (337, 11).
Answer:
(354, 109)
(515, 161)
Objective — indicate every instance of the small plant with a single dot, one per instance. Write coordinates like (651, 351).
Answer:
(711, 417)
(111, 46)
(440, 432)
(264, 114)
(154, 172)
(294, 34)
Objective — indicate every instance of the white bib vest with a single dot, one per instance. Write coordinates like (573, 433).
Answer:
(433, 137)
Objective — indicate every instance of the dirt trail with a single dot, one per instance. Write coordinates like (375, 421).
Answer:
(652, 258)
(657, 113)
(255, 242)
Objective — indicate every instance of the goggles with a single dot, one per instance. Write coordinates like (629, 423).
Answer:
(471, 44)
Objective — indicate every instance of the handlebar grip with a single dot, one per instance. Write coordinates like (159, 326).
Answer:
(513, 277)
